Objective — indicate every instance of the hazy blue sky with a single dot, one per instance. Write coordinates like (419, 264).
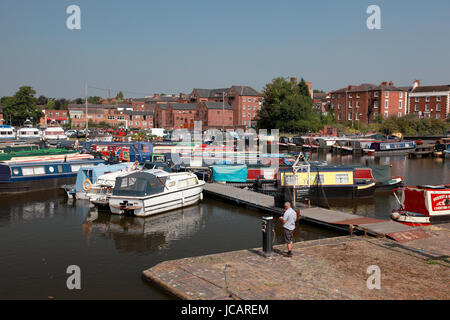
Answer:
(172, 46)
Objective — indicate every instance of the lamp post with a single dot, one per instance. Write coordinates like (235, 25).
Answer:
(223, 111)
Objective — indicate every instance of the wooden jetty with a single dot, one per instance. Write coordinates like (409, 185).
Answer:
(333, 268)
(423, 150)
(340, 221)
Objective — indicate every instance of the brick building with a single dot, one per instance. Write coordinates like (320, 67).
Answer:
(181, 115)
(430, 101)
(216, 115)
(59, 116)
(366, 102)
(246, 103)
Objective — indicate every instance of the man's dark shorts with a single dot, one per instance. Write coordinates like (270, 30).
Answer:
(288, 235)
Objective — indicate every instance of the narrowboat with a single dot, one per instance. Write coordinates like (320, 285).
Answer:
(122, 151)
(390, 147)
(327, 181)
(43, 155)
(34, 176)
(307, 143)
(423, 205)
(441, 146)
(7, 132)
(87, 177)
(150, 192)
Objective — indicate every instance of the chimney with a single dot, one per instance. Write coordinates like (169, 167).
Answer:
(416, 84)
(391, 84)
(384, 83)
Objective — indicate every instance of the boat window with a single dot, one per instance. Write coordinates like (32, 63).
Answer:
(29, 171)
(172, 184)
(289, 180)
(75, 168)
(16, 171)
(342, 178)
(60, 168)
(139, 184)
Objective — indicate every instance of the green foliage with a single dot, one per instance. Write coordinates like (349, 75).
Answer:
(94, 99)
(119, 96)
(411, 125)
(288, 107)
(22, 106)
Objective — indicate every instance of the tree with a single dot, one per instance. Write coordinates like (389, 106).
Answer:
(119, 96)
(94, 99)
(287, 106)
(42, 100)
(22, 106)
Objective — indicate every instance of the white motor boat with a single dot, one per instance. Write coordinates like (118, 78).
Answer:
(54, 134)
(149, 192)
(7, 132)
(29, 133)
(102, 189)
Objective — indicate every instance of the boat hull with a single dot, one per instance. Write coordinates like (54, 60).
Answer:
(14, 187)
(156, 204)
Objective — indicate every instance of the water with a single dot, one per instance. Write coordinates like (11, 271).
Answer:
(42, 234)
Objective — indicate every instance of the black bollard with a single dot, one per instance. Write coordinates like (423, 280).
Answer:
(267, 233)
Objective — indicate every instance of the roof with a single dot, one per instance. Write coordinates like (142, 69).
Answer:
(368, 87)
(438, 88)
(245, 91)
(138, 113)
(98, 106)
(320, 95)
(183, 106)
(217, 105)
(210, 93)
(163, 99)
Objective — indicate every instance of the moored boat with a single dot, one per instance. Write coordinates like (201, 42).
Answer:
(25, 177)
(423, 205)
(87, 177)
(7, 133)
(378, 147)
(150, 192)
(54, 134)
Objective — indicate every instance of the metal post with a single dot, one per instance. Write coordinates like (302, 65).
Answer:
(267, 233)
(86, 102)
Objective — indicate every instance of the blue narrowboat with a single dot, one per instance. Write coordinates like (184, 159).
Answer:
(25, 177)
(390, 146)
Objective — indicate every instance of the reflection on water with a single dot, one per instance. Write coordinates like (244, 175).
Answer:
(144, 234)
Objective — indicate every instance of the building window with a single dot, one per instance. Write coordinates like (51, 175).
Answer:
(387, 94)
(375, 115)
(400, 104)
(417, 99)
(358, 95)
(111, 118)
(438, 115)
(350, 104)
(339, 116)
(356, 115)
(401, 94)
(438, 107)
(438, 98)
(244, 122)
(243, 107)
(375, 104)
(339, 105)
(399, 115)
(357, 104)
(350, 95)
(350, 116)
(243, 115)
(386, 114)
(375, 94)
(386, 104)
(427, 107)
(428, 99)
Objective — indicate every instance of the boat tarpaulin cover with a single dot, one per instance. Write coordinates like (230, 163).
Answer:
(139, 184)
(381, 173)
(92, 173)
(230, 173)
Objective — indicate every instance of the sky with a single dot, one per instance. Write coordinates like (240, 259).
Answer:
(170, 46)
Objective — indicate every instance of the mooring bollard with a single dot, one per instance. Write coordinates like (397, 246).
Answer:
(267, 233)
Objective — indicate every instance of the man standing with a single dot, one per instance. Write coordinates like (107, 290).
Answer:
(289, 218)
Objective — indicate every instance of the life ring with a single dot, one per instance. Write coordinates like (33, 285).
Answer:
(89, 185)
